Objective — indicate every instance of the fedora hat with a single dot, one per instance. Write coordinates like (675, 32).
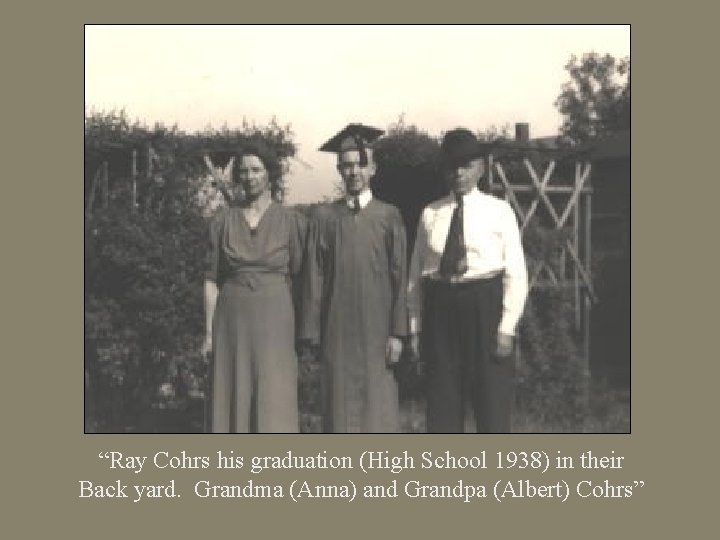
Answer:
(460, 146)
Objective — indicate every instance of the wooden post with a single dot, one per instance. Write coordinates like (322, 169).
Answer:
(588, 263)
(148, 179)
(93, 189)
(149, 161)
(576, 242)
(133, 179)
(490, 172)
(105, 184)
(581, 256)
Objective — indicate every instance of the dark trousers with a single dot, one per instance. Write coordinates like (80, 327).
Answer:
(459, 338)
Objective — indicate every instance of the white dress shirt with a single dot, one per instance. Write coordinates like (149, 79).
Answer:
(492, 239)
(364, 197)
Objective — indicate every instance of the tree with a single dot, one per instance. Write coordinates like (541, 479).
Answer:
(407, 174)
(596, 100)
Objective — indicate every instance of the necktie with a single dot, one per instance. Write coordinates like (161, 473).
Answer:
(454, 257)
(356, 204)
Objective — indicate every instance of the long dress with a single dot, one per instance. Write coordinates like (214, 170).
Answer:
(254, 373)
(354, 299)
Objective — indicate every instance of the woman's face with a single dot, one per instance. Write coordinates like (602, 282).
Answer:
(253, 176)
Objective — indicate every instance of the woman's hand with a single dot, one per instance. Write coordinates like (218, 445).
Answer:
(393, 350)
(210, 293)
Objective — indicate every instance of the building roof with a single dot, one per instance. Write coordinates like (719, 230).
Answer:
(550, 142)
(613, 146)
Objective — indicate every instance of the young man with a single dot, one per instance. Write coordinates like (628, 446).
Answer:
(467, 288)
(355, 294)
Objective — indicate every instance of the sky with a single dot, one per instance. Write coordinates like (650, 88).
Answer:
(318, 78)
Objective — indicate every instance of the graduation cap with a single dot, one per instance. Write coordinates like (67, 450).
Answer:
(353, 137)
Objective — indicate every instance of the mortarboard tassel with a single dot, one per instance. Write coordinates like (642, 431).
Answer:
(361, 149)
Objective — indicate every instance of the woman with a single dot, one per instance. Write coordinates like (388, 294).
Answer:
(255, 250)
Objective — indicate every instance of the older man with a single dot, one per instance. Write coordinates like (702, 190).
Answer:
(467, 288)
(355, 293)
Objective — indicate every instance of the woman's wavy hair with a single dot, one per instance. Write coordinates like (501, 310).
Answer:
(269, 159)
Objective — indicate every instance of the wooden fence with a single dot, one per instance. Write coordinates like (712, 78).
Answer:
(566, 204)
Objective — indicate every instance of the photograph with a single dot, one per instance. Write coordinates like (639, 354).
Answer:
(348, 228)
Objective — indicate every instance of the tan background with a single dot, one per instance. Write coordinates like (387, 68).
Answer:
(45, 452)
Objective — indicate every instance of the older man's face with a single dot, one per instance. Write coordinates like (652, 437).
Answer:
(355, 176)
(465, 176)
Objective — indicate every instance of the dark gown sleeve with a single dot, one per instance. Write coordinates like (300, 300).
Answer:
(397, 255)
(298, 243)
(313, 281)
(296, 250)
(212, 258)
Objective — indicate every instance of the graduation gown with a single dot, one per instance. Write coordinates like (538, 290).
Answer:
(354, 299)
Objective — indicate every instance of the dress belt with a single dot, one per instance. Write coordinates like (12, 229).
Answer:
(461, 280)
(256, 280)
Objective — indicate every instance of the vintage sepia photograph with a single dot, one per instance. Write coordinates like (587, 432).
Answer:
(357, 229)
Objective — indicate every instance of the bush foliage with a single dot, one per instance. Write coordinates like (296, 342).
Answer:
(143, 268)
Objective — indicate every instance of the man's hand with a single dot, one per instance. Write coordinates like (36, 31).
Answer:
(393, 350)
(206, 347)
(504, 344)
(415, 346)
(305, 347)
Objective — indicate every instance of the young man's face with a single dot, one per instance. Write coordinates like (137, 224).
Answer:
(465, 176)
(355, 176)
